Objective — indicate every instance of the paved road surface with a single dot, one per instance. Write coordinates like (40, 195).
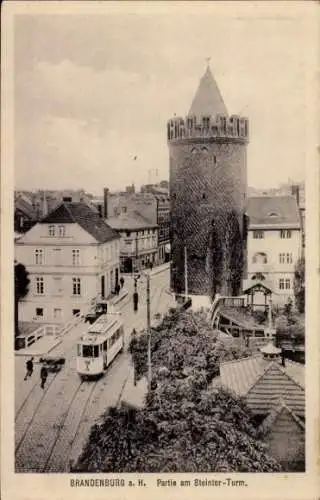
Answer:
(52, 424)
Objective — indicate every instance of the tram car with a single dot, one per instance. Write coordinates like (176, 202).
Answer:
(101, 343)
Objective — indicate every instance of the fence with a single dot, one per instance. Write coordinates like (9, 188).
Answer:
(23, 341)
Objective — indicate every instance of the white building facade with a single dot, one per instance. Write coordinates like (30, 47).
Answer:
(72, 258)
(274, 244)
(139, 241)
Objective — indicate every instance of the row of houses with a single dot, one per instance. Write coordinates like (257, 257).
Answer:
(77, 251)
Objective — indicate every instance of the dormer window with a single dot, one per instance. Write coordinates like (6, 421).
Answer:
(52, 230)
(204, 149)
(193, 150)
(273, 214)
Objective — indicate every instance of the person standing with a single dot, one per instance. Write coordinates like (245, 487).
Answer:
(43, 376)
(135, 301)
(29, 367)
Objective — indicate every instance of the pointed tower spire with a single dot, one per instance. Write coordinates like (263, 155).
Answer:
(207, 100)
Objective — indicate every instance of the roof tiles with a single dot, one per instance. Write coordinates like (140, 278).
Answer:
(263, 382)
(81, 213)
(207, 101)
(279, 211)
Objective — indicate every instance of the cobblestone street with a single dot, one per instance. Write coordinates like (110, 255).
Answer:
(52, 424)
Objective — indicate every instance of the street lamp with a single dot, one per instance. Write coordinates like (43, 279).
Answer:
(147, 276)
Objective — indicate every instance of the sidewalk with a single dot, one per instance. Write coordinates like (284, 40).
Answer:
(134, 395)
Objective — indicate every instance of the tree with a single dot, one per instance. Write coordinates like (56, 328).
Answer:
(299, 285)
(21, 288)
(185, 425)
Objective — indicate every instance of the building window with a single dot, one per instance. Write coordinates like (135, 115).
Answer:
(204, 196)
(39, 256)
(76, 286)
(285, 233)
(40, 285)
(75, 257)
(128, 233)
(52, 230)
(62, 231)
(39, 312)
(287, 284)
(258, 235)
(289, 258)
(75, 312)
(214, 159)
(282, 258)
(281, 284)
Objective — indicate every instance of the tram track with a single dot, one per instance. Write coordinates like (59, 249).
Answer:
(34, 411)
(58, 420)
(52, 459)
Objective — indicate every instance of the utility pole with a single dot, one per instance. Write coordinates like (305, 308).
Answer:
(149, 330)
(185, 273)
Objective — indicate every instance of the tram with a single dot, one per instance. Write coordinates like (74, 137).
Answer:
(97, 348)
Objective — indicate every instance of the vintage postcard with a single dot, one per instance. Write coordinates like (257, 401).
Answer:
(160, 217)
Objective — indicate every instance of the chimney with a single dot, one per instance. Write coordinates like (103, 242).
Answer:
(105, 202)
(295, 191)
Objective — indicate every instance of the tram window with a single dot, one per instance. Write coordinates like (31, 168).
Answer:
(95, 351)
(87, 351)
(105, 345)
(79, 350)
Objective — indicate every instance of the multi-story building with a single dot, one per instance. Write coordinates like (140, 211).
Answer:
(152, 206)
(274, 243)
(72, 257)
(287, 189)
(208, 179)
(139, 240)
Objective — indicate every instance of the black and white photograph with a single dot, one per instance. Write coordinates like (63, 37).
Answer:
(160, 245)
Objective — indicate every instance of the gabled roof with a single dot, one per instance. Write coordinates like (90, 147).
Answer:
(80, 213)
(258, 284)
(273, 211)
(279, 408)
(263, 382)
(24, 207)
(272, 384)
(207, 101)
(130, 222)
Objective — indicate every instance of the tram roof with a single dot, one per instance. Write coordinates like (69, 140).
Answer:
(101, 329)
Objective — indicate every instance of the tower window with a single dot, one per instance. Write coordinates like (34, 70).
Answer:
(204, 197)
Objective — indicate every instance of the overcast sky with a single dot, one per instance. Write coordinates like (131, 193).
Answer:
(94, 91)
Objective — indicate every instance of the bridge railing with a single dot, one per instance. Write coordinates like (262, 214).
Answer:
(229, 301)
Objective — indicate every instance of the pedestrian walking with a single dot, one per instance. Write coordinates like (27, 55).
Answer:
(135, 301)
(43, 376)
(29, 367)
(121, 281)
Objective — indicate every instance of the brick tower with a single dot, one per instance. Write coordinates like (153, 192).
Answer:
(208, 178)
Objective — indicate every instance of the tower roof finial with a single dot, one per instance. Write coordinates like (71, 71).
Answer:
(208, 100)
